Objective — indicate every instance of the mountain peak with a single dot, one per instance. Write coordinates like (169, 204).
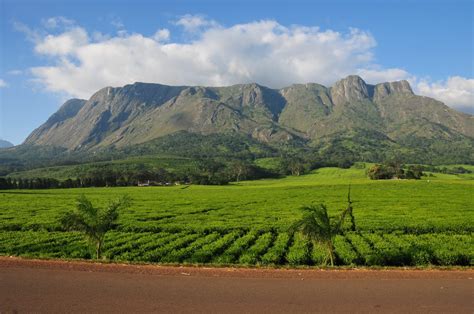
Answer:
(382, 90)
(68, 110)
(349, 89)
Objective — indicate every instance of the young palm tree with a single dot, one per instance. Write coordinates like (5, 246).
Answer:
(93, 222)
(316, 226)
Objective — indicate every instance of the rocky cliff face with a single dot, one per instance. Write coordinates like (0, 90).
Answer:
(140, 112)
(385, 89)
(350, 89)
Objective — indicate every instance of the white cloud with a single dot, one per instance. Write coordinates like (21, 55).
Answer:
(32, 35)
(456, 91)
(57, 21)
(3, 83)
(262, 51)
(374, 76)
(64, 44)
(194, 23)
(265, 52)
(117, 23)
(162, 35)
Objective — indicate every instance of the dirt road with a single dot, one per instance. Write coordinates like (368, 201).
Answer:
(57, 286)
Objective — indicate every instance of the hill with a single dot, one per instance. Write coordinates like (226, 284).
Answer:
(5, 144)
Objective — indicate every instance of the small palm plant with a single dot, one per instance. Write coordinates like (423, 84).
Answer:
(316, 226)
(93, 222)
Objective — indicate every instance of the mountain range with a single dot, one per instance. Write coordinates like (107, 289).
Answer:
(350, 114)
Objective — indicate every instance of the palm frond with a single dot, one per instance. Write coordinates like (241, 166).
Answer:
(91, 221)
(84, 205)
(315, 223)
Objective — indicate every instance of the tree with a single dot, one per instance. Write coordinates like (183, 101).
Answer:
(394, 170)
(292, 165)
(239, 170)
(209, 168)
(316, 226)
(296, 167)
(93, 222)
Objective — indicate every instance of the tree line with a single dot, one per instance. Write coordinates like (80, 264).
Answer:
(396, 170)
(204, 172)
(207, 173)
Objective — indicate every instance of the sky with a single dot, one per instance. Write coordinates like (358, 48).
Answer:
(53, 50)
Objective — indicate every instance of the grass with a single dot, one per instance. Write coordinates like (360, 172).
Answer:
(433, 219)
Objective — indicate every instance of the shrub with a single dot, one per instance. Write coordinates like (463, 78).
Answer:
(298, 254)
(205, 253)
(237, 248)
(344, 252)
(260, 246)
(276, 253)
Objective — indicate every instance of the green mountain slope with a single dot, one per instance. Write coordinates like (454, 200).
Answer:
(351, 117)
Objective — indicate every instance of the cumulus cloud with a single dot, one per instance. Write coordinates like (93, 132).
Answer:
(64, 44)
(3, 83)
(262, 51)
(456, 91)
(265, 52)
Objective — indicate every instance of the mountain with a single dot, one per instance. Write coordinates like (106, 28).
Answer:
(5, 144)
(351, 116)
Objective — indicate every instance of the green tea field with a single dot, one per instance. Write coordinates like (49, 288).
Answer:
(399, 222)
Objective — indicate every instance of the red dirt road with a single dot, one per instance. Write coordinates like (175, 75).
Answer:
(58, 286)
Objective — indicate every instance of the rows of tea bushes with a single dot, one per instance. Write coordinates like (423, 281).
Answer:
(437, 205)
(254, 247)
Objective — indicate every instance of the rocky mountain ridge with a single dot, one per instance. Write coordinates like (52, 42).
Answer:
(310, 113)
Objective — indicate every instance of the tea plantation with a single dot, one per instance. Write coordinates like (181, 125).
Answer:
(399, 222)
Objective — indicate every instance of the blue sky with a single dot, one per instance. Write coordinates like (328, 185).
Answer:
(53, 50)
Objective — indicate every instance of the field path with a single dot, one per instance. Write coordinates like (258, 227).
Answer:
(59, 286)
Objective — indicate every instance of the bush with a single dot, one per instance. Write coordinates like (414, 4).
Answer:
(237, 248)
(276, 253)
(344, 252)
(178, 255)
(253, 253)
(298, 254)
(205, 253)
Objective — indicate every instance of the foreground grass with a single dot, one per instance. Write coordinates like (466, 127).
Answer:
(401, 222)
